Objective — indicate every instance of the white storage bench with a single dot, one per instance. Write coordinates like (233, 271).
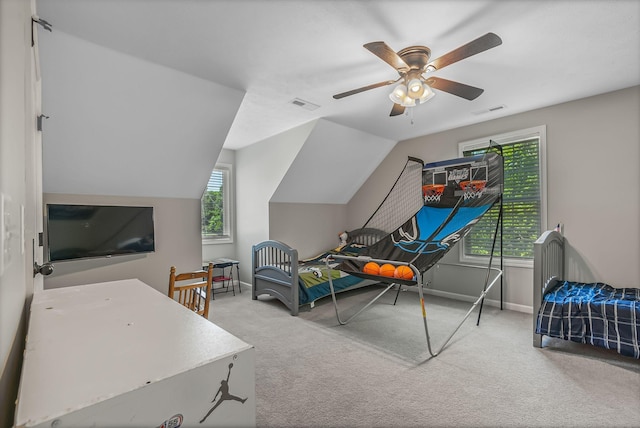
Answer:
(122, 354)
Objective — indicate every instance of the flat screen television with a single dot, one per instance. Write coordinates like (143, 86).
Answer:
(90, 231)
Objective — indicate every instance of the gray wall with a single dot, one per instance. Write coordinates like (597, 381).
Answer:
(317, 164)
(178, 243)
(593, 172)
(259, 171)
(309, 228)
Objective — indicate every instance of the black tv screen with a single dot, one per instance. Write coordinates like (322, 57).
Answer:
(89, 231)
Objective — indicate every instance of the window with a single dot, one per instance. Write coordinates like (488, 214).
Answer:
(524, 199)
(216, 206)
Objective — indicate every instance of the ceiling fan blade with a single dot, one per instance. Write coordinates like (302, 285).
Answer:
(396, 110)
(388, 55)
(364, 88)
(481, 44)
(455, 88)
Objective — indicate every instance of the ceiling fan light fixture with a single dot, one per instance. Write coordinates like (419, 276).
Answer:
(408, 102)
(427, 94)
(399, 94)
(415, 89)
(412, 62)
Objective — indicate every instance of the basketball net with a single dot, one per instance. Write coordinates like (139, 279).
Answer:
(430, 199)
(432, 193)
(471, 194)
(473, 189)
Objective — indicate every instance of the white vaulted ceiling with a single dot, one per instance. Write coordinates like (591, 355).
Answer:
(243, 62)
(122, 126)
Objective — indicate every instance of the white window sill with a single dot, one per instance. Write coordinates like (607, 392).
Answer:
(216, 241)
(508, 262)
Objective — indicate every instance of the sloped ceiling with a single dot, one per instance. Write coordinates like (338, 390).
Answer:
(119, 125)
(332, 165)
(553, 51)
(143, 94)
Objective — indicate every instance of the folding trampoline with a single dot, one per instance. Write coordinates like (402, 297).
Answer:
(427, 211)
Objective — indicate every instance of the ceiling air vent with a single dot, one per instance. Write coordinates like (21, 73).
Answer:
(304, 104)
(490, 110)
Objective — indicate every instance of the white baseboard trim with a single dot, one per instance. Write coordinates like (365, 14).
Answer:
(463, 297)
(491, 302)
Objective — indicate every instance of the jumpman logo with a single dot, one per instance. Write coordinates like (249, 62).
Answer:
(224, 394)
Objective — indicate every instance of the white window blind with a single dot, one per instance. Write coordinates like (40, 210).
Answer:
(215, 206)
(522, 204)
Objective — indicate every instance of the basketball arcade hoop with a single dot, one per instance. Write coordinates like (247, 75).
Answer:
(432, 192)
(473, 188)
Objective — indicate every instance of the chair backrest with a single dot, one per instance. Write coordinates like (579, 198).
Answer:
(195, 290)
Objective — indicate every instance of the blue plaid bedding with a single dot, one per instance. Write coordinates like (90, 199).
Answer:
(596, 313)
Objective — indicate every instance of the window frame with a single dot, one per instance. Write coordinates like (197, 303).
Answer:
(539, 132)
(227, 192)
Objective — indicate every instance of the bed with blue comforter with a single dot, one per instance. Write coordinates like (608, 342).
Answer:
(593, 313)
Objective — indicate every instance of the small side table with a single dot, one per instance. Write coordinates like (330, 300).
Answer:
(226, 279)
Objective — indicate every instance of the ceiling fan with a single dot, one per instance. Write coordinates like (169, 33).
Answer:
(413, 65)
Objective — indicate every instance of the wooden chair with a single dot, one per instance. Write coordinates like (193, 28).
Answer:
(193, 294)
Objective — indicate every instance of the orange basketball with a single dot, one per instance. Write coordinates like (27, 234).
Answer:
(403, 272)
(372, 268)
(387, 269)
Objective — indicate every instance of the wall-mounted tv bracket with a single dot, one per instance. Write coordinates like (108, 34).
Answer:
(43, 269)
(39, 121)
(44, 24)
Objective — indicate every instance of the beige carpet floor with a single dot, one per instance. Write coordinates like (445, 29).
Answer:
(376, 371)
